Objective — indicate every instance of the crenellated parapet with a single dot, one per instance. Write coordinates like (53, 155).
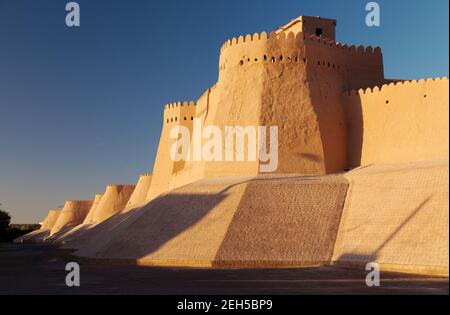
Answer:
(289, 47)
(120, 186)
(289, 39)
(398, 122)
(179, 112)
(425, 84)
(78, 203)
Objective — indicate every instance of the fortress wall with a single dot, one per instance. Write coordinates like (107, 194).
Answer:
(194, 170)
(64, 234)
(265, 76)
(183, 227)
(80, 233)
(397, 123)
(234, 101)
(360, 66)
(141, 190)
(51, 219)
(261, 79)
(284, 221)
(175, 114)
(287, 103)
(332, 68)
(113, 201)
(90, 215)
(210, 112)
(397, 215)
(44, 230)
(97, 235)
(73, 213)
(289, 61)
(242, 221)
(186, 112)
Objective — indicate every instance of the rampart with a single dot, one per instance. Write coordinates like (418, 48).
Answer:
(51, 219)
(73, 213)
(175, 114)
(398, 122)
(113, 201)
(387, 139)
(141, 190)
(90, 215)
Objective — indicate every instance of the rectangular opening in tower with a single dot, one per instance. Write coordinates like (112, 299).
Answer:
(319, 32)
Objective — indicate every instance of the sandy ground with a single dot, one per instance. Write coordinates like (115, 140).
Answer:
(40, 269)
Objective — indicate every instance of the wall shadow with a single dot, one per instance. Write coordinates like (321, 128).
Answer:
(99, 232)
(60, 233)
(33, 237)
(355, 130)
(158, 222)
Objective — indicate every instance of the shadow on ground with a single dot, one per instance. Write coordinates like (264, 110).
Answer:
(40, 269)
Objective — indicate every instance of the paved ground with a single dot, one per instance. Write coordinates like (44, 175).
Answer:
(40, 269)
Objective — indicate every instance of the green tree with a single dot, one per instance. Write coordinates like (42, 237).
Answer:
(5, 219)
(10, 232)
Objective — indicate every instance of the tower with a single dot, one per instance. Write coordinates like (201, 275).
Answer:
(310, 25)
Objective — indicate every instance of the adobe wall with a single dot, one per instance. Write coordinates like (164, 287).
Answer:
(73, 213)
(397, 216)
(90, 215)
(113, 201)
(175, 114)
(67, 233)
(51, 219)
(266, 221)
(264, 78)
(399, 122)
(37, 236)
(262, 82)
(333, 68)
(284, 221)
(188, 224)
(293, 81)
(43, 232)
(140, 191)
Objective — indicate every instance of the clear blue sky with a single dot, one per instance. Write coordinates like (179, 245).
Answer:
(80, 108)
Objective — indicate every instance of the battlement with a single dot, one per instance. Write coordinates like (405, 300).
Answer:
(361, 49)
(79, 202)
(119, 186)
(179, 105)
(179, 112)
(397, 85)
(289, 48)
(398, 122)
(284, 38)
